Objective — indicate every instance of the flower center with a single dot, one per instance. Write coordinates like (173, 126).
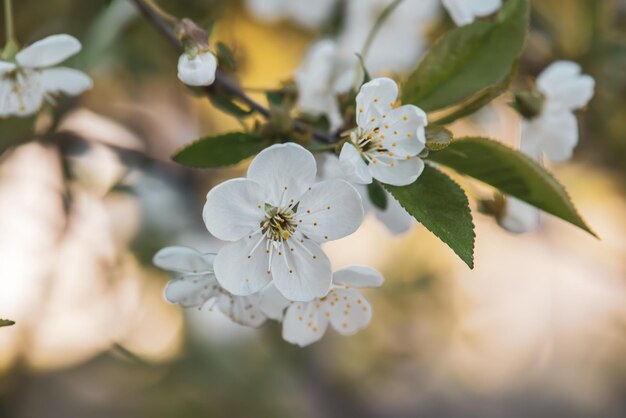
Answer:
(279, 223)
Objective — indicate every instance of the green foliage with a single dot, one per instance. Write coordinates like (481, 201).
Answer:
(511, 172)
(440, 204)
(228, 105)
(6, 323)
(377, 195)
(220, 151)
(469, 59)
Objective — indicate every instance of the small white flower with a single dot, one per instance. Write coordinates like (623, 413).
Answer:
(518, 216)
(464, 12)
(554, 132)
(394, 217)
(276, 219)
(306, 13)
(325, 73)
(344, 308)
(401, 39)
(197, 68)
(196, 285)
(27, 82)
(387, 140)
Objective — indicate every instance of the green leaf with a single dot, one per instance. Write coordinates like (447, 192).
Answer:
(220, 151)
(6, 322)
(440, 204)
(227, 105)
(468, 59)
(377, 195)
(479, 100)
(511, 172)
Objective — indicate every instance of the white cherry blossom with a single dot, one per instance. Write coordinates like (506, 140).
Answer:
(519, 217)
(275, 220)
(394, 217)
(195, 285)
(197, 68)
(325, 73)
(344, 308)
(388, 139)
(554, 132)
(464, 12)
(26, 83)
(306, 13)
(401, 39)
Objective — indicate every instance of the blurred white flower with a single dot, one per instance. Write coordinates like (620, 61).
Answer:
(344, 308)
(306, 13)
(394, 217)
(400, 41)
(325, 73)
(276, 219)
(387, 140)
(518, 216)
(554, 132)
(464, 12)
(197, 68)
(27, 82)
(196, 285)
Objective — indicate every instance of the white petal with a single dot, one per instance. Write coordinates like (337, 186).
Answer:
(234, 209)
(394, 217)
(6, 67)
(66, 80)
(22, 96)
(519, 217)
(403, 131)
(358, 276)
(243, 310)
(484, 7)
(354, 168)
(285, 171)
(273, 303)
(304, 324)
(301, 270)
(401, 173)
(198, 70)
(459, 11)
(555, 134)
(48, 51)
(351, 313)
(310, 14)
(241, 268)
(9, 101)
(192, 291)
(267, 10)
(565, 87)
(375, 98)
(183, 260)
(330, 210)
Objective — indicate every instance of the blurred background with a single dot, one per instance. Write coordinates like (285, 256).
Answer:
(537, 329)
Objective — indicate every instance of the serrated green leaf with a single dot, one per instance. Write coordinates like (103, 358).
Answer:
(377, 195)
(511, 172)
(468, 59)
(6, 322)
(440, 204)
(220, 151)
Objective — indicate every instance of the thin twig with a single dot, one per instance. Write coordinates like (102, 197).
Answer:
(226, 82)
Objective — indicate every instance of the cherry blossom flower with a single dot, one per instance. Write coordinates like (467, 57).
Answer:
(306, 13)
(197, 68)
(26, 83)
(275, 219)
(464, 12)
(554, 132)
(394, 217)
(387, 140)
(344, 308)
(519, 217)
(325, 73)
(195, 285)
(401, 39)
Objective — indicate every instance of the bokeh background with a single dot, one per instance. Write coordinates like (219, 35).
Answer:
(538, 329)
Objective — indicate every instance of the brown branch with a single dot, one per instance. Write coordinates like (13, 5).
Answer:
(226, 82)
